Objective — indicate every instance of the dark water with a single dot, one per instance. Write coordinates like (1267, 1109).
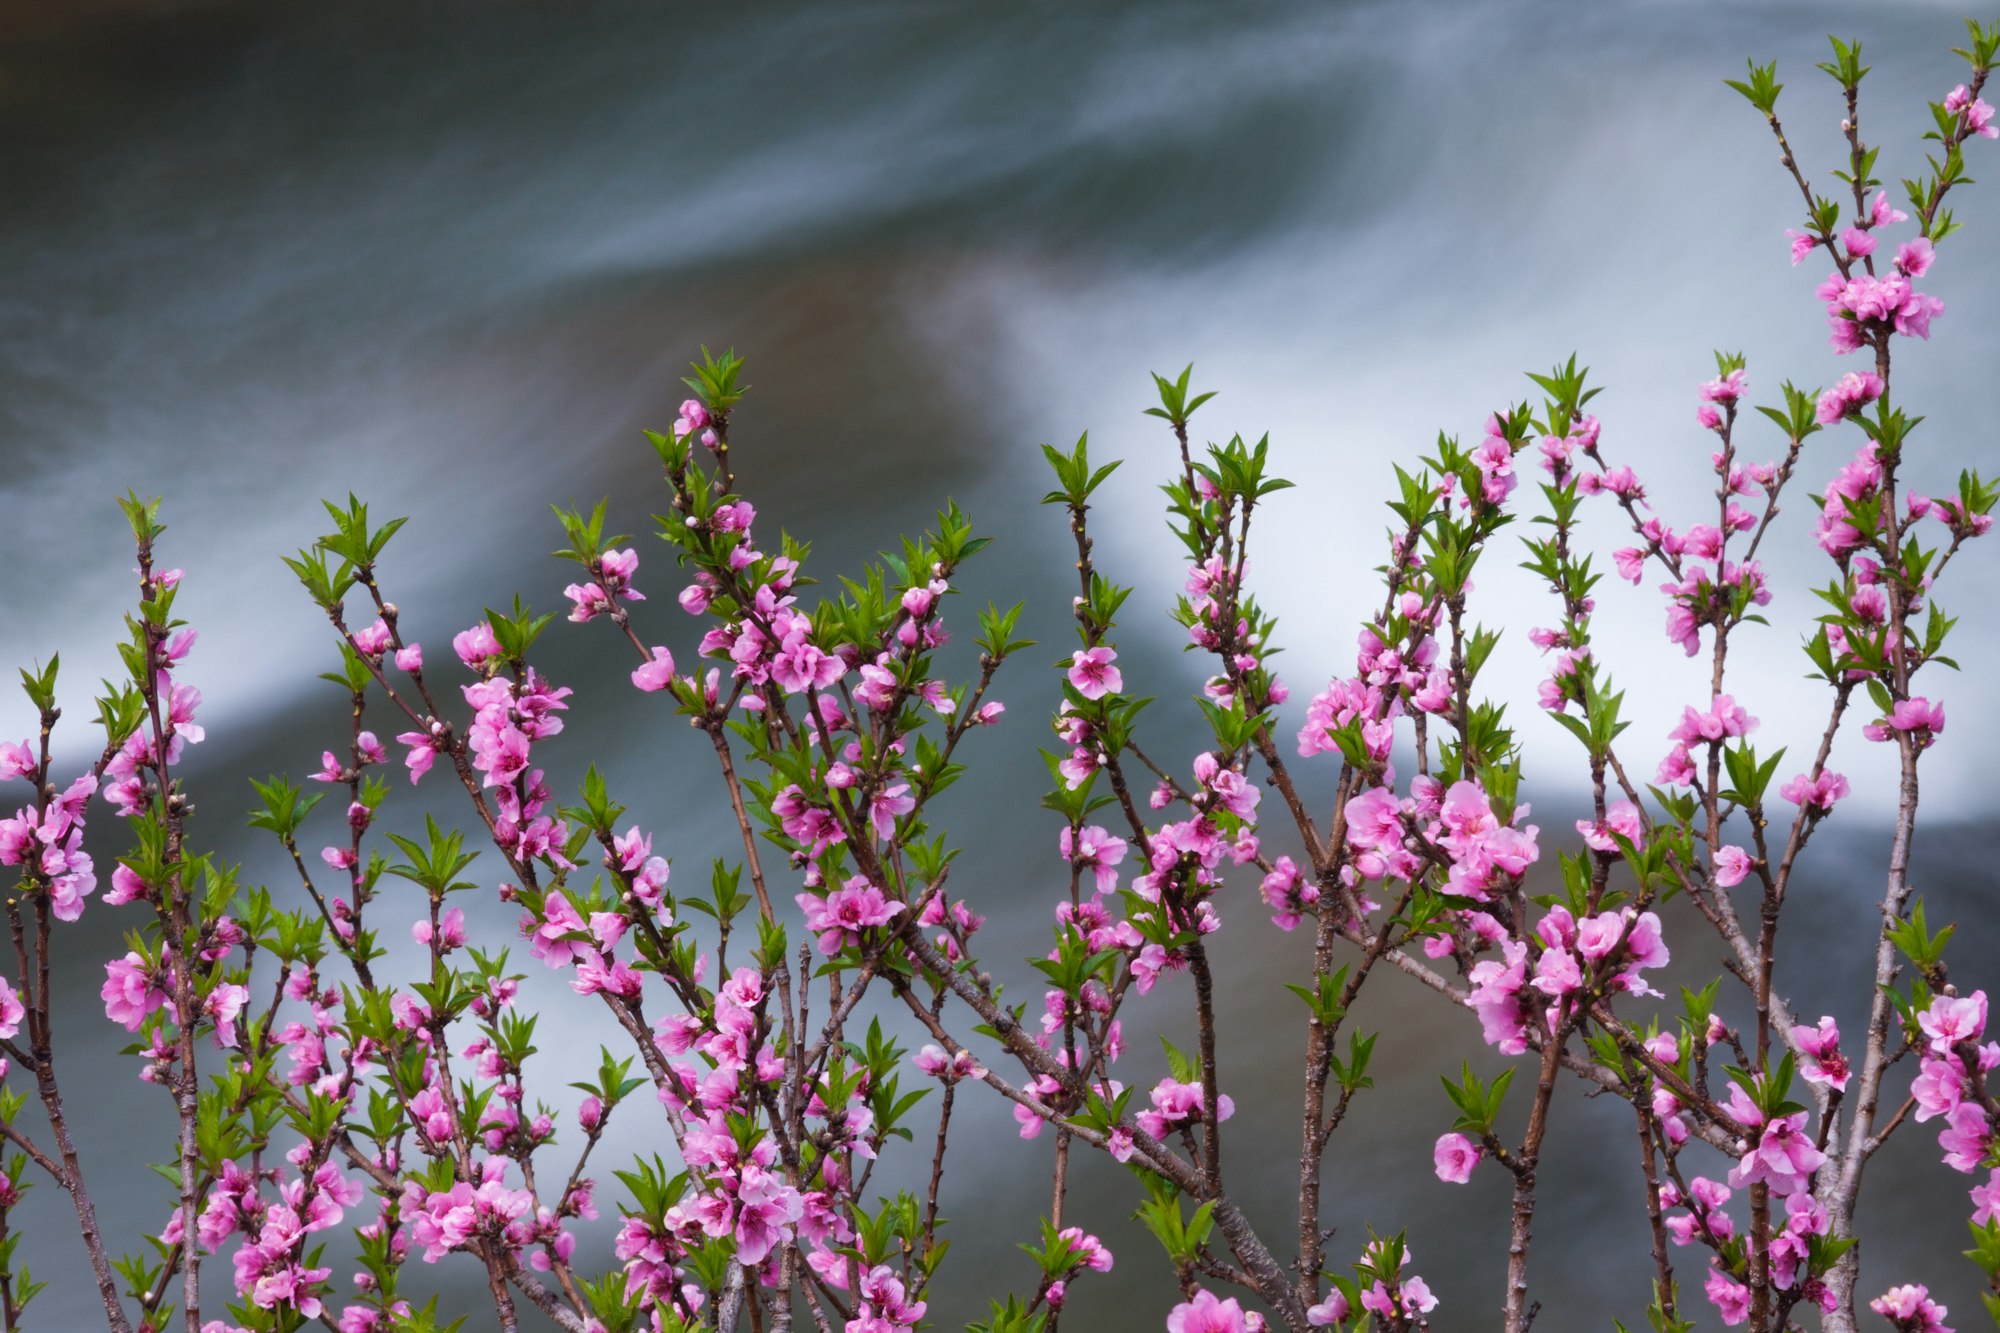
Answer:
(452, 257)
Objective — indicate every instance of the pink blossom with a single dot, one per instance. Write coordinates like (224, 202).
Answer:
(1975, 117)
(1939, 1086)
(1732, 863)
(1918, 716)
(1986, 1199)
(1288, 893)
(1783, 1156)
(1092, 674)
(1820, 1058)
(1330, 1312)
(1730, 1297)
(1621, 818)
(423, 750)
(1815, 795)
(656, 674)
(1206, 1314)
(17, 761)
(766, 1209)
(372, 640)
(1412, 1295)
(12, 1011)
(1094, 849)
(1494, 457)
(1375, 820)
(1677, 769)
(888, 806)
(1965, 1137)
(1725, 718)
(1454, 1156)
(1495, 997)
(130, 993)
(224, 1004)
(841, 916)
(476, 647)
(1910, 1308)
(1855, 390)
(1881, 212)
(1950, 1021)
(1913, 257)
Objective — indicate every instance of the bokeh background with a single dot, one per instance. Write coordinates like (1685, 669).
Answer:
(453, 256)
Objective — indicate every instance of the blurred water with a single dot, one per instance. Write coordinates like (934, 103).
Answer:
(451, 257)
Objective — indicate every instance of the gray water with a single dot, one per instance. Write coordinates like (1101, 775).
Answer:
(452, 257)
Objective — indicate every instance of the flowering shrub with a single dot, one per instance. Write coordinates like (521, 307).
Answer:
(313, 1094)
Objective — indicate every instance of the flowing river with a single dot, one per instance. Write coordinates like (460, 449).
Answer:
(452, 257)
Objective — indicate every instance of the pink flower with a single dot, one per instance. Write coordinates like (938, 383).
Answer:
(1597, 936)
(1725, 718)
(1938, 1087)
(1092, 674)
(1454, 1156)
(1881, 214)
(1910, 1308)
(1094, 849)
(1411, 1296)
(766, 1209)
(1557, 973)
(1783, 1155)
(12, 1011)
(1621, 818)
(16, 761)
(476, 647)
(1375, 820)
(1290, 896)
(656, 674)
(129, 992)
(1677, 769)
(841, 916)
(1731, 865)
(224, 1004)
(1495, 460)
(373, 640)
(1815, 795)
(422, 751)
(1914, 257)
(1496, 998)
(1329, 1312)
(1918, 716)
(1820, 1060)
(1725, 389)
(1986, 1199)
(1206, 1314)
(450, 932)
(1645, 944)
(1855, 390)
(890, 805)
(1950, 1021)
(802, 665)
(1975, 117)
(1730, 1297)
(1965, 1137)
